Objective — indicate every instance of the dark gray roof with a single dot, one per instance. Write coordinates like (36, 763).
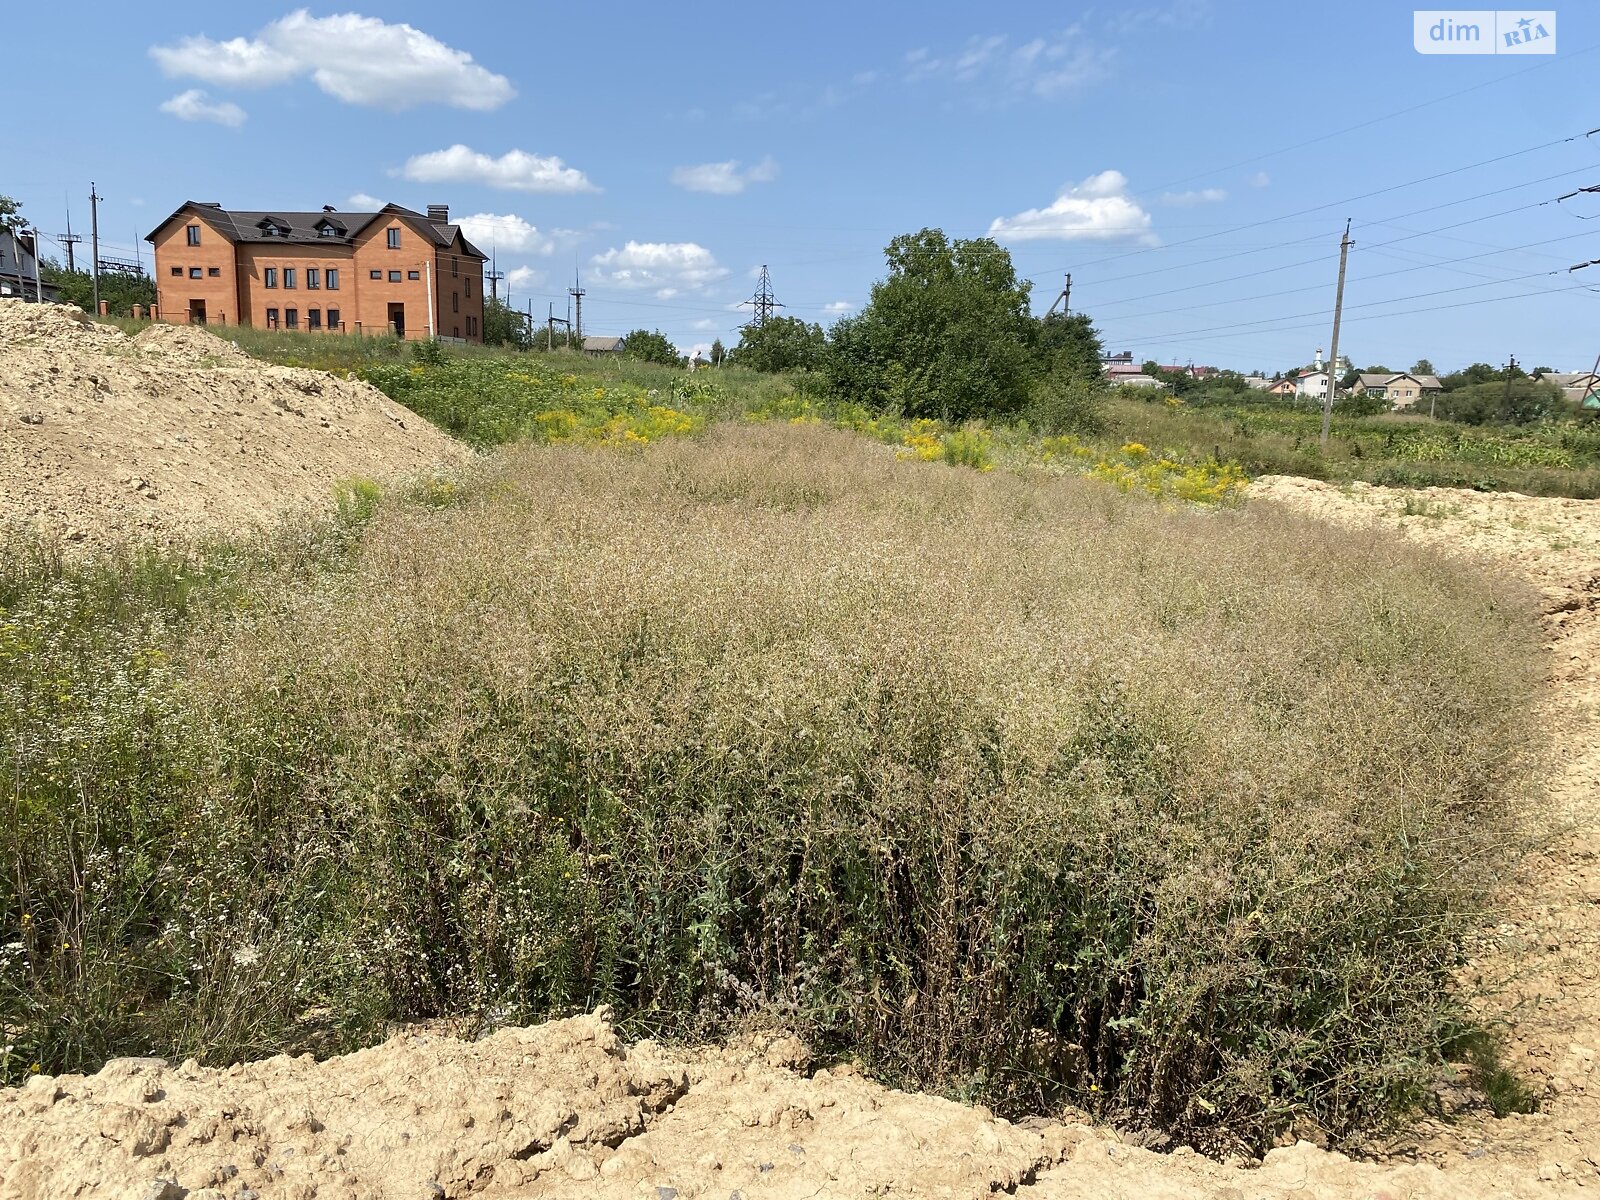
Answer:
(306, 227)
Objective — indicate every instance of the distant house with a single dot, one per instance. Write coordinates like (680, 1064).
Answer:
(1189, 369)
(602, 345)
(1257, 383)
(1138, 379)
(1581, 387)
(1311, 385)
(1120, 371)
(18, 262)
(1402, 391)
(1125, 358)
(1281, 387)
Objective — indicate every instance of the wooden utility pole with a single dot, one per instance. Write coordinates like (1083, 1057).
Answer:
(1333, 353)
(1505, 398)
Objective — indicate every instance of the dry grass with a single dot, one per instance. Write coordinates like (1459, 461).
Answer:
(1017, 788)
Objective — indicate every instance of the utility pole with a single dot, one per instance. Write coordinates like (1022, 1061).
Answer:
(1333, 354)
(1064, 299)
(763, 302)
(94, 234)
(577, 293)
(38, 288)
(69, 240)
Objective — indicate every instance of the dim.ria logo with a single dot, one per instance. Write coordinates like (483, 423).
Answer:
(1484, 31)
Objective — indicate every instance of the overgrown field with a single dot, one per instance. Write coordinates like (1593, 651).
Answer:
(1011, 785)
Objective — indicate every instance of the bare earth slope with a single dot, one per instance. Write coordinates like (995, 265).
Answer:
(566, 1110)
(175, 432)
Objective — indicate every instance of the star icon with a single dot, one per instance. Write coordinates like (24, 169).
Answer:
(1524, 23)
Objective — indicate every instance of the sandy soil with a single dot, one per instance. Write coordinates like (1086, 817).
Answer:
(176, 433)
(566, 1110)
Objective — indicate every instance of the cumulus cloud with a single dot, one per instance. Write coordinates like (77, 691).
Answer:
(1189, 199)
(1098, 209)
(724, 178)
(509, 232)
(524, 277)
(515, 170)
(836, 307)
(363, 202)
(194, 106)
(1260, 179)
(667, 267)
(357, 59)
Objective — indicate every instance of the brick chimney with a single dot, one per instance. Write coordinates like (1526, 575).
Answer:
(439, 214)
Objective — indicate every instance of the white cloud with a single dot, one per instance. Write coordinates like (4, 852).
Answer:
(837, 306)
(509, 232)
(705, 323)
(999, 66)
(193, 106)
(357, 59)
(667, 267)
(515, 170)
(524, 277)
(724, 178)
(1098, 209)
(1260, 179)
(1186, 199)
(362, 202)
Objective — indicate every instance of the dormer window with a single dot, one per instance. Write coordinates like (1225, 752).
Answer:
(327, 231)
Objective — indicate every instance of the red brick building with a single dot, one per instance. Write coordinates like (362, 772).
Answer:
(394, 270)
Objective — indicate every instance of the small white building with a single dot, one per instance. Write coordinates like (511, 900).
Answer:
(18, 263)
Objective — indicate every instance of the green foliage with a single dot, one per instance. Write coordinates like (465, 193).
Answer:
(357, 500)
(11, 218)
(504, 326)
(719, 353)
(651, 347)
(120, 292)
(1516, 401)
(780, 344)
(946, 335)
(1423, 367)
(1069, 348)
(1063, 402)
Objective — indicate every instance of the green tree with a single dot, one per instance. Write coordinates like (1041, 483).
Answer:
(1470, 377)
(1422, 367)
(781, 344)
(719, 353)
(504, 325)
(120, 291)
(1070, 346)
(947, 334)
(650, 346)
(1516, 401)
(11, 219)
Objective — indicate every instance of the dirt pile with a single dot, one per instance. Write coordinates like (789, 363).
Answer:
(176, 432)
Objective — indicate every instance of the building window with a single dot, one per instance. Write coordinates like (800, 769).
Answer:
(333, 278)
(214, 272)
(394, 276)
(313, 277)
(455, 301)
(272, 318)
(458, 331)
(314, 318)
(178, 271)
(469, 287)
(455, 265)
(375, 274)
(326, 231)
(194, 273)
(394, 239)
(194, 235)
(333, 318)
(413, 274)
(269, 277)
(288, 277)
(291, 318)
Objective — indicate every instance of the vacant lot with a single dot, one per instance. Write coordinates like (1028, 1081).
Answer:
(1015, 788)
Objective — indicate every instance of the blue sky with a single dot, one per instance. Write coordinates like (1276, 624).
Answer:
(1191, 162)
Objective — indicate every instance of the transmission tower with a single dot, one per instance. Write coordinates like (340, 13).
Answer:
(70, 240)
(762, 303)
(577, 293)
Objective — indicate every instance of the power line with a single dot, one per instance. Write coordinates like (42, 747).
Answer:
(763, 302)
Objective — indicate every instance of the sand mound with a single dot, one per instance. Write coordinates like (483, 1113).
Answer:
(177, 433)
(564, 1110)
